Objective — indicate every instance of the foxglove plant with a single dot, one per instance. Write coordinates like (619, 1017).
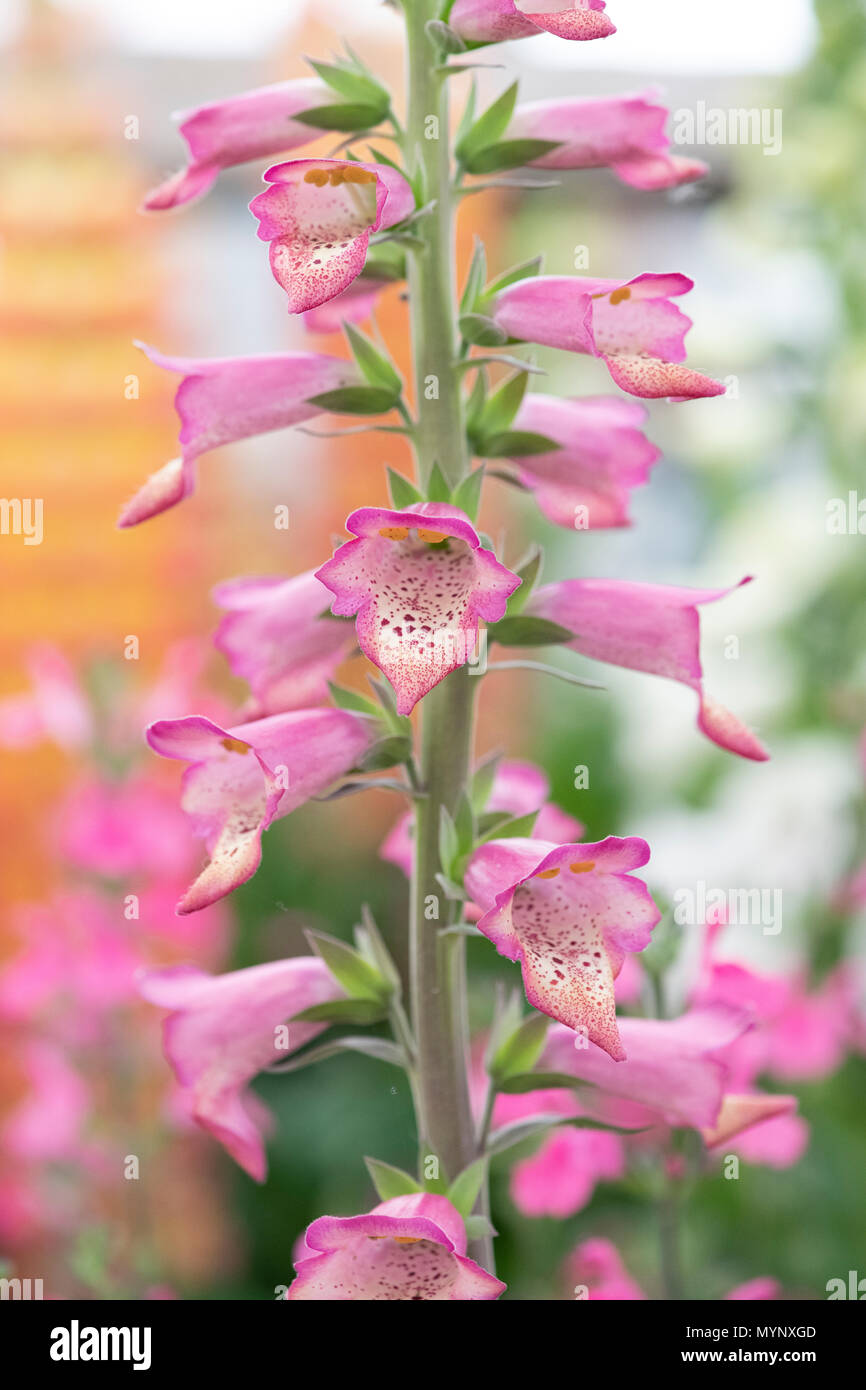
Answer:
(418, 580)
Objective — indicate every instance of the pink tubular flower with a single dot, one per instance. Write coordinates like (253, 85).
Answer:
(631, 324)
(420, 582)
(675, 1073)
(353, 305)
(222, 1030)
(253, 125)
(646, 627)
(319, 215)
(586, 483)
(275, 638)
(243, 778)
(518, 788)
(569, 914)
(495, 21)
(408, 1249)
(560, 1179)
(625, 134)
(224, 399)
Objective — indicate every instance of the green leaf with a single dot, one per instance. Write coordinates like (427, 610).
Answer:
(390, 1181)
(524, 630)
(444, 37)
(528, 571)
(438, 489)
(374, 365)
(372, 945)
(504, 404)
(348, 116)
(516, 444)
(351, 81)
(512, 828)
(468, 494)
(386, 752)
(527, 270)
(342, 1011)
(491, 820)
(475, 278)
(478, 1226)
(350, 699)
(403, 493)
(521, 1130)
(521, 1049)
(467, 116)
(489, 126)
(355, 400)
(507, 154)
(382, 1049)
(449, 841)
(359, 978)
(482, 783)
(464, 1190)
(464, 824)
(522, 1082)
(481, 330)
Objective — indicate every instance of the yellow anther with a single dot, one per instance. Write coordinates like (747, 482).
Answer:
(317, 176)
(336, 177)
(235, 745)
(547, 873)
(394, 533)
(619, 295)
(431, 537)
(352, 174)
(584, 866)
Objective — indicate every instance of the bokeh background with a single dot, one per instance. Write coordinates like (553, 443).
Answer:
(777, 247)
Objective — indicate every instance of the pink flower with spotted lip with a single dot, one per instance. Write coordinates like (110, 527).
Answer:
(252, 125)
(223, 1030)
(518, 788)
(625, 134)
(496, 21)
(586, 483)
(224, 399)
(569, 914)
(646, 627)
(407, 1249)
(419, 581)
(560, 1179)
(632, 325)
(276, 639)
(243, 778)
(319, 215)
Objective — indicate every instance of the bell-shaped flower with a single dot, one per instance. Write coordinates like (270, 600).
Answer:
(646, 627)
(586, 483)
(252, 125)
(519, 788)
(243, 778)
(276, 638)
(495, 21)
(319, 215)
(633, 325)
(419, 581)
(560, 1179)
(569, 914)
(407, 1249)
(625, 134)
(223, 1030)
(224, 399)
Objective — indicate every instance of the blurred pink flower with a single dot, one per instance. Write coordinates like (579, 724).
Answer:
(560, 1179)
(47, 1124)
(252, 125)
(222, 1030)
(596, 1266)
(243, 778)
(407, 1249)
(495, 21)
(224, 399)
(276, 638)
(419, 581)
(622, 133)
(646, 627)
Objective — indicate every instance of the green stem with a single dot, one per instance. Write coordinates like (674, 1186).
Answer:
(438, 962)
